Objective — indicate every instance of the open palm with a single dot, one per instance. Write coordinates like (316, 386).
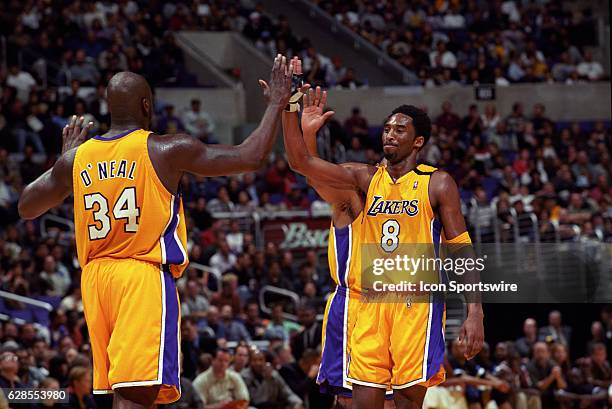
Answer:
(313, 117)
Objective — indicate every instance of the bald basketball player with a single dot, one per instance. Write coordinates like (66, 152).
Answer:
(130, 229)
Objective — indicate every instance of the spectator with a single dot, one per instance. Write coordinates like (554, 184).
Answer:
(83, 71)
(79, 381)
(545, 375)
(22, 81)
(9, 366)
(279, 327)
(193, 303)
(301, 378)
(524, 345)
(555, 331)
(199, 123)
(231, 329)
(56, 282)
(349, 80)
(448, 119)
(221, 203)
(223, 259)
(310, 335)
(219, 386)
(241, 358)
(266, 387)
(253, 322)
(590, 69)
(169, 122)
(228, 294)
(442, 58)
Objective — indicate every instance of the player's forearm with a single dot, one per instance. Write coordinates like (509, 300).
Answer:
(256, 148)
(475, 309)
(297, 153)
(311, 143)
(39, 196)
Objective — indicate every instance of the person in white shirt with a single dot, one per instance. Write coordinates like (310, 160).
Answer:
(197, 122)
(219, 386)
(589, 68)
(223, 259)
(442, 57)
(22, 81)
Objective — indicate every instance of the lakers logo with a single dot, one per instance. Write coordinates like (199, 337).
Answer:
(393, 207)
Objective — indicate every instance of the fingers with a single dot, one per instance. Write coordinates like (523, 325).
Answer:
(291, 69)
(65, 132)
(328, 115)
(323, 99)
(298, 69)
(283, 65)
(318, 96)
(304, 89)
(86, 130)
(71, 125)
(277, 62)
(264, 85)
(79, 124)
(311, 97)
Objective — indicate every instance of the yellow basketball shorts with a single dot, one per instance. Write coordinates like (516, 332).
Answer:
(133, 315)
(397, 344)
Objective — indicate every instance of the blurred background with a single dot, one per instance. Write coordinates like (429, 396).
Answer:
(519, 96)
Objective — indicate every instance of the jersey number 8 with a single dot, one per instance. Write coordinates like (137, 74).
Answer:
(125, 208)
(390, 235)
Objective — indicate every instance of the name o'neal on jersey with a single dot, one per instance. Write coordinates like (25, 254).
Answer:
(380, 206)
(109, 170)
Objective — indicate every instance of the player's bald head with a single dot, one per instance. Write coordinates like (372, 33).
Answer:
(129, 99)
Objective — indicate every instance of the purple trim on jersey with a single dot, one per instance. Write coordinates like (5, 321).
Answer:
(342, 242)
(435, 356)
(112, 138)
(170, 374)
(174, 255)
(332, 356)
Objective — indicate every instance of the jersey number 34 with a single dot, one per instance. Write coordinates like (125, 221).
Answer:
(125, 208)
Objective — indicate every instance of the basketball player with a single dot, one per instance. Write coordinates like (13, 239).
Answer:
(399, 345)
(346, 205)
(130, 229)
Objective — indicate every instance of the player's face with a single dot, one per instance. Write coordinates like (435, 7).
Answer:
(399, 139)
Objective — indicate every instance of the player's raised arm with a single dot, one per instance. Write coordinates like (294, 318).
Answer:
(192, 156)
(314, 168)
(52, 187)
(445, 198)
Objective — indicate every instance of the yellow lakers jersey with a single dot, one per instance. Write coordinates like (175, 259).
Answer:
(121, 208)
(398, 217)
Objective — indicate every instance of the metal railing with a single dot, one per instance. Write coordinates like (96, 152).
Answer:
(26, 300)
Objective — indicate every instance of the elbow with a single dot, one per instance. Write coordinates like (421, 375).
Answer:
(257, 162)
(296, 165)
(24, 211)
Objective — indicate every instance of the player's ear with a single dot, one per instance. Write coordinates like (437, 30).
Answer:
(419, 141)
(146, 107)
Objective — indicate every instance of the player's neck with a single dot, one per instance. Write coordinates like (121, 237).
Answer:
(120, 126)
(399, 169)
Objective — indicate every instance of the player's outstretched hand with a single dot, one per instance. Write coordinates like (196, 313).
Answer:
(74, 133)
(313, 117)
(278, 90)
(471, 336)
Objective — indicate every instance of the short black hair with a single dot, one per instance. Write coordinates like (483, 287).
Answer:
(420, 120)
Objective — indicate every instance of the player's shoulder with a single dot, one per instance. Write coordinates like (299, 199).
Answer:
(172, 144)
(440, 176)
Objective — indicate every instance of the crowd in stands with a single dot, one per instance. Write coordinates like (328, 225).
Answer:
(471, 42)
